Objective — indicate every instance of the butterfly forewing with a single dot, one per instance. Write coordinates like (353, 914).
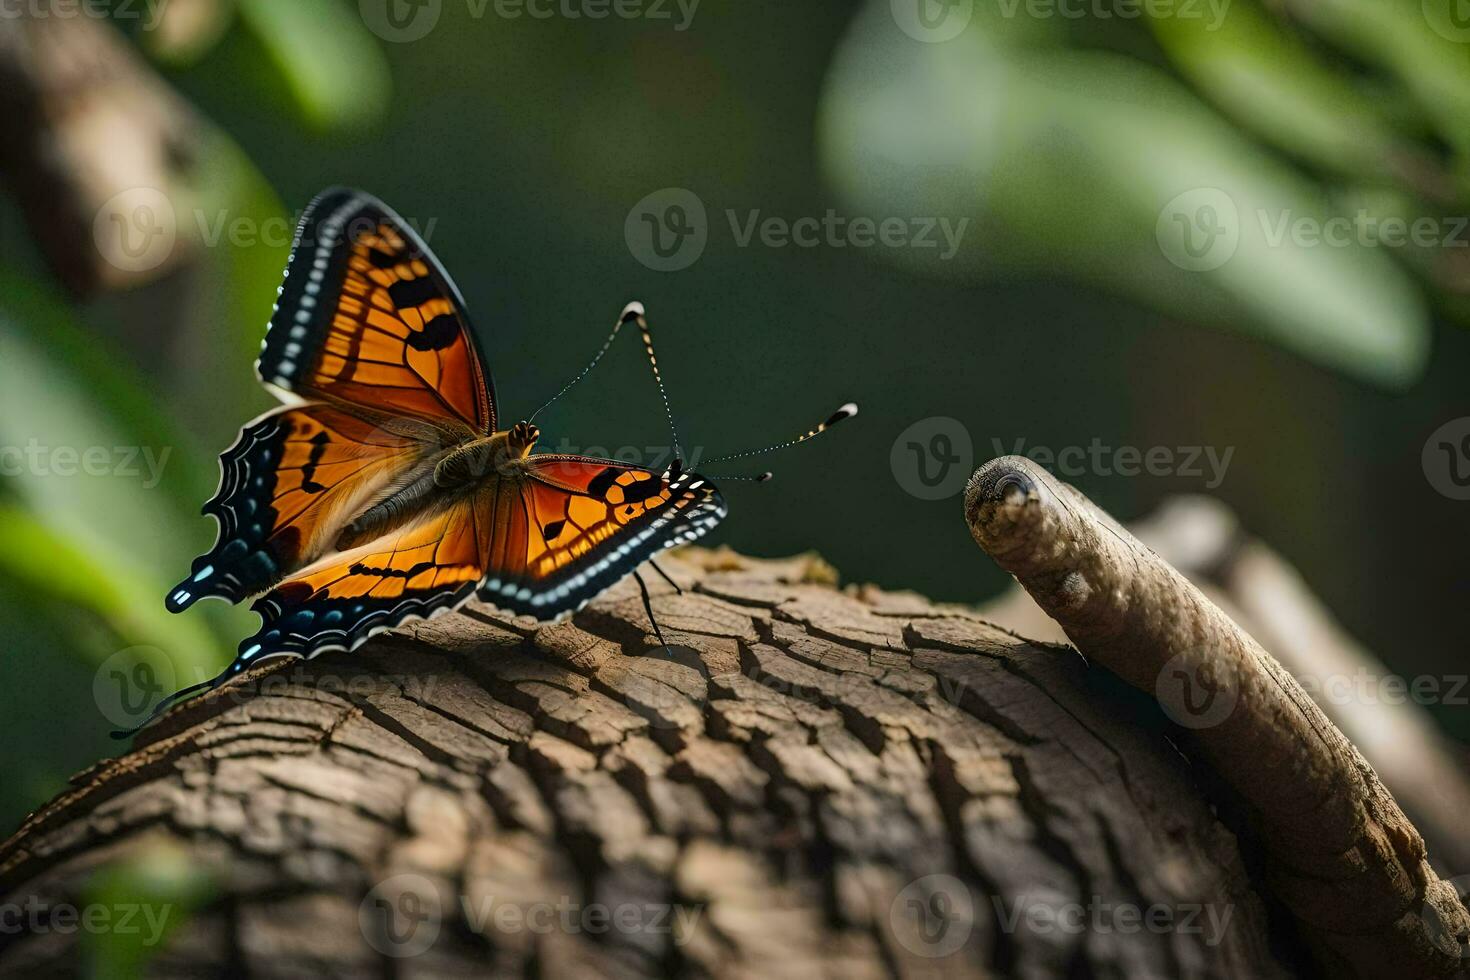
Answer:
(368, 316)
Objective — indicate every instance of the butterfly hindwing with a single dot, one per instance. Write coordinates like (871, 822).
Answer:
(542, 543)
(287, 486)
(368, 316)
(433, 564)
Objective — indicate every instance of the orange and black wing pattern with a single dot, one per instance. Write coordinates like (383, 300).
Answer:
(369, 317)
(542, 543)
(577, 525)
(429, 566)
(287, 486)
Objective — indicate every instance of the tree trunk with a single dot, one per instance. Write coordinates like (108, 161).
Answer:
(859, 783)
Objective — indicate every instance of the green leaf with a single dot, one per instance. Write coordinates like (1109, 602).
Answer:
(1083, 164)
(1282, 89)
(94, 480)
(1421, 42)
(330, 60)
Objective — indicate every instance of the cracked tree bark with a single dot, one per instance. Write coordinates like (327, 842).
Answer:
(861, 783)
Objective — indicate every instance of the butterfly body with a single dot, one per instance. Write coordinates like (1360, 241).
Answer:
(474, 465)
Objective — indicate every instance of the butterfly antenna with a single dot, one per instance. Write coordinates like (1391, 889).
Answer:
(632, 313)
(845, 412)
(613, 335)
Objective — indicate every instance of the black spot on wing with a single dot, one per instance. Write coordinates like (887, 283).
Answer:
(553, 530)
(437, 334)
(381, 259)
(360, 569)
(641, 490)
(319, 443)
(600, 484)
(409, 293)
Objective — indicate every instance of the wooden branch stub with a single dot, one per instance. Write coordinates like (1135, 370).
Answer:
(813, 783)
(1342, 856)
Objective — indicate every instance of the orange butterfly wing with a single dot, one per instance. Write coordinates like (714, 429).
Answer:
(368, 316)
(287, 486)
(373, 334)
(429, 566)
(540, 543)
(579, 525)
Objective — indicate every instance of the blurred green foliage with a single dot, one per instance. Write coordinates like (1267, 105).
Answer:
(1074, 155)
(523, 143)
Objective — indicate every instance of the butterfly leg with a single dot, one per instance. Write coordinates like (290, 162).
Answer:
(665, 576)
(648, 608)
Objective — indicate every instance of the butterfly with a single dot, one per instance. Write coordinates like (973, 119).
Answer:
(383, 490)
